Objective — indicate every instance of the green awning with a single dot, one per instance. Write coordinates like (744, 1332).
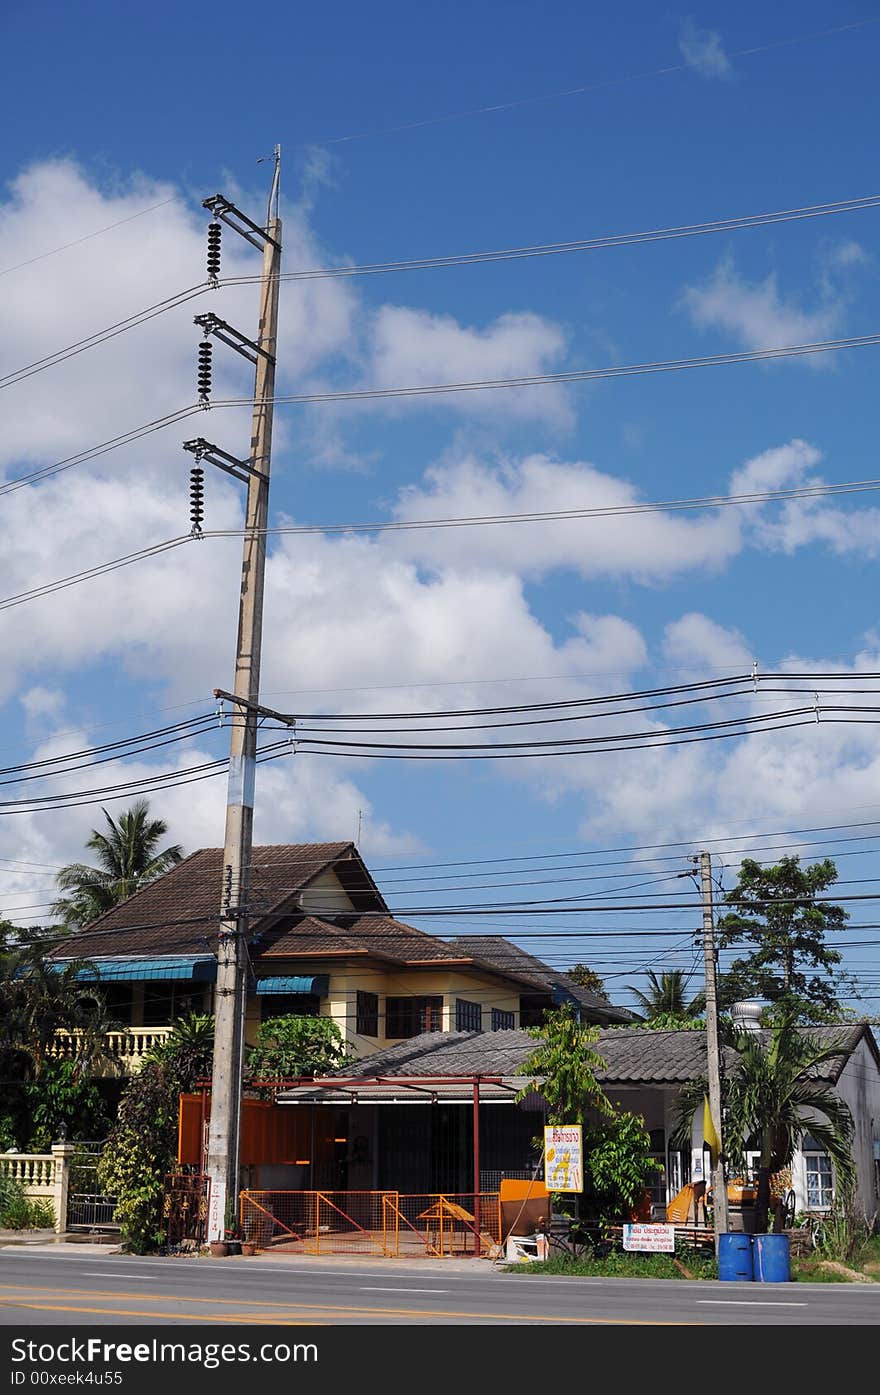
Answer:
(202, 968)
(313, 983)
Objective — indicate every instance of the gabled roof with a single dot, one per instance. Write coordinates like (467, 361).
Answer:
(633, 1055)
(379, 936)
(503, 953)
(178, 913)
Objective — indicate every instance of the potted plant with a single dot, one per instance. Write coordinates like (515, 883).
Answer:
(232, 1233)
(219, 1249)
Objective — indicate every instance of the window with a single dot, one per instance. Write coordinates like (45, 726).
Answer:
(165, 1001)
(117, 997)
(367, 1014)
(468, 1016)
(503, 1021)
(820, 1181)
(406, 1017)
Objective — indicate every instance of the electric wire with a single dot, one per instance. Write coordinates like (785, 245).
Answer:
(580, 375)
(588, 244)
(583, 88)
(77, 241)
(848, 205)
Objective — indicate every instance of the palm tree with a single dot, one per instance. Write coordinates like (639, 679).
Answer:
(38, 998)
(128, 857)
(774, 1097)
(665, 996)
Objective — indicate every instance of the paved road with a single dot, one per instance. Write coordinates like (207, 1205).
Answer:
(61, 1285)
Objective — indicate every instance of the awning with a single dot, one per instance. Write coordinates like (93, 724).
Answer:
(401, 1091)
(202, 968)
(311, 983)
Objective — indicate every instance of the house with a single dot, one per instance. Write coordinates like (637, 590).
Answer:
(469, 1084)
(551, 987)
(322, 942)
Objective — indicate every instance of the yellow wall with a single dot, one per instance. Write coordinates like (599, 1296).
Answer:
(347, 979)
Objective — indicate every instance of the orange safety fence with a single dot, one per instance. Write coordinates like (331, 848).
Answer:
(388, 1223)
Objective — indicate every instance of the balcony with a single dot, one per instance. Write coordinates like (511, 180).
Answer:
(125, 1049)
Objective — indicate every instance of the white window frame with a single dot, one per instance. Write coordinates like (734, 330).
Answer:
(813, 1164)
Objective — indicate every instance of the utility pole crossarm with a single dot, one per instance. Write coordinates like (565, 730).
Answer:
(224, 208)
(256, 707)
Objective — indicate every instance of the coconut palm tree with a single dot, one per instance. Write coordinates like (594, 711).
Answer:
(773, 1097)
(665, 997)
(129, 857)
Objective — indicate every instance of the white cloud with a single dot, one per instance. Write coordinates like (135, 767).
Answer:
(645, 547)
(702, 50)
(848, 253)
(415, 348)
(756, 315)
(697, 643)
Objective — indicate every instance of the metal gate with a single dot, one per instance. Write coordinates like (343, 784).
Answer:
(88, 1208)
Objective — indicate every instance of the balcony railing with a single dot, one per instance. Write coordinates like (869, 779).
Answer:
(124, 1049)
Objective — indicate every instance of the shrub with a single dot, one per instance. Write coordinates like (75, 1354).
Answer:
(18, 1211)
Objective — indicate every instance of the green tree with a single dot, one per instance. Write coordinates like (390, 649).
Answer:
(586, 977)
(291, 1046)
(42, 1092)
(128, 857)
(563, 1069)
(142, 1146)
(666, 1003)
(778, 909)
(772, 1098)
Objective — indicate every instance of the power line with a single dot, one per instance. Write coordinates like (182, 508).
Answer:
(583, 88)
(101, 336)
(580, 375)
(103, 447)
(588, 244)
(714, 501)
(87, 237)
(720, 225)
(555, 515)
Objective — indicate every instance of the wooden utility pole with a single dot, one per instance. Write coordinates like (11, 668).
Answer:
(713, 1052)
(232, 978)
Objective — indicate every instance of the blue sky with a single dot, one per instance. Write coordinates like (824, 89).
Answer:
(687, 116)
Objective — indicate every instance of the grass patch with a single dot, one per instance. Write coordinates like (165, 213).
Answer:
(622, 1265)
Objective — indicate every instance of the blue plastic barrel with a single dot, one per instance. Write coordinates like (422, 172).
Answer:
(772, 1259)
(735, 1256)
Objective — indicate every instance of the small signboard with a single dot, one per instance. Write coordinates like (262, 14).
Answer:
(563, 1158)
(655, 1239)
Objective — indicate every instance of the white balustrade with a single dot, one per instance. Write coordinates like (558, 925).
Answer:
(35, 1171)
(127, 1047)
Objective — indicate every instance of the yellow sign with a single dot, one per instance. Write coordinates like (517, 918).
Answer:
(563, 1158)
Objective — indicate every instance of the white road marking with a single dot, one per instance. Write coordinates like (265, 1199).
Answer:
(753, 1302)
(367, 1288)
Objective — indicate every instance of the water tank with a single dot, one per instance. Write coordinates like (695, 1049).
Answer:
(772, 1261)
(735, 1257)
(747, 1015)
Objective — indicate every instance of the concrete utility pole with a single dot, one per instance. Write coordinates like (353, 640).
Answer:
(231, 991)
(719, 1182)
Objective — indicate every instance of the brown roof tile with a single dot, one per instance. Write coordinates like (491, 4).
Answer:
(178, 913)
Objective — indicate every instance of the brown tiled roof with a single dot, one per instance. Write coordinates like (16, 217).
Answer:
(503, 954)
(382, 937)
(178, 913)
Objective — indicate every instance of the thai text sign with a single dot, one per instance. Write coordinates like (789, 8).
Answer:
(563, 1158)
(654, 1238)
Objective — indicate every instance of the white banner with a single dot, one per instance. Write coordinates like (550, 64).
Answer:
(655, 1239)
